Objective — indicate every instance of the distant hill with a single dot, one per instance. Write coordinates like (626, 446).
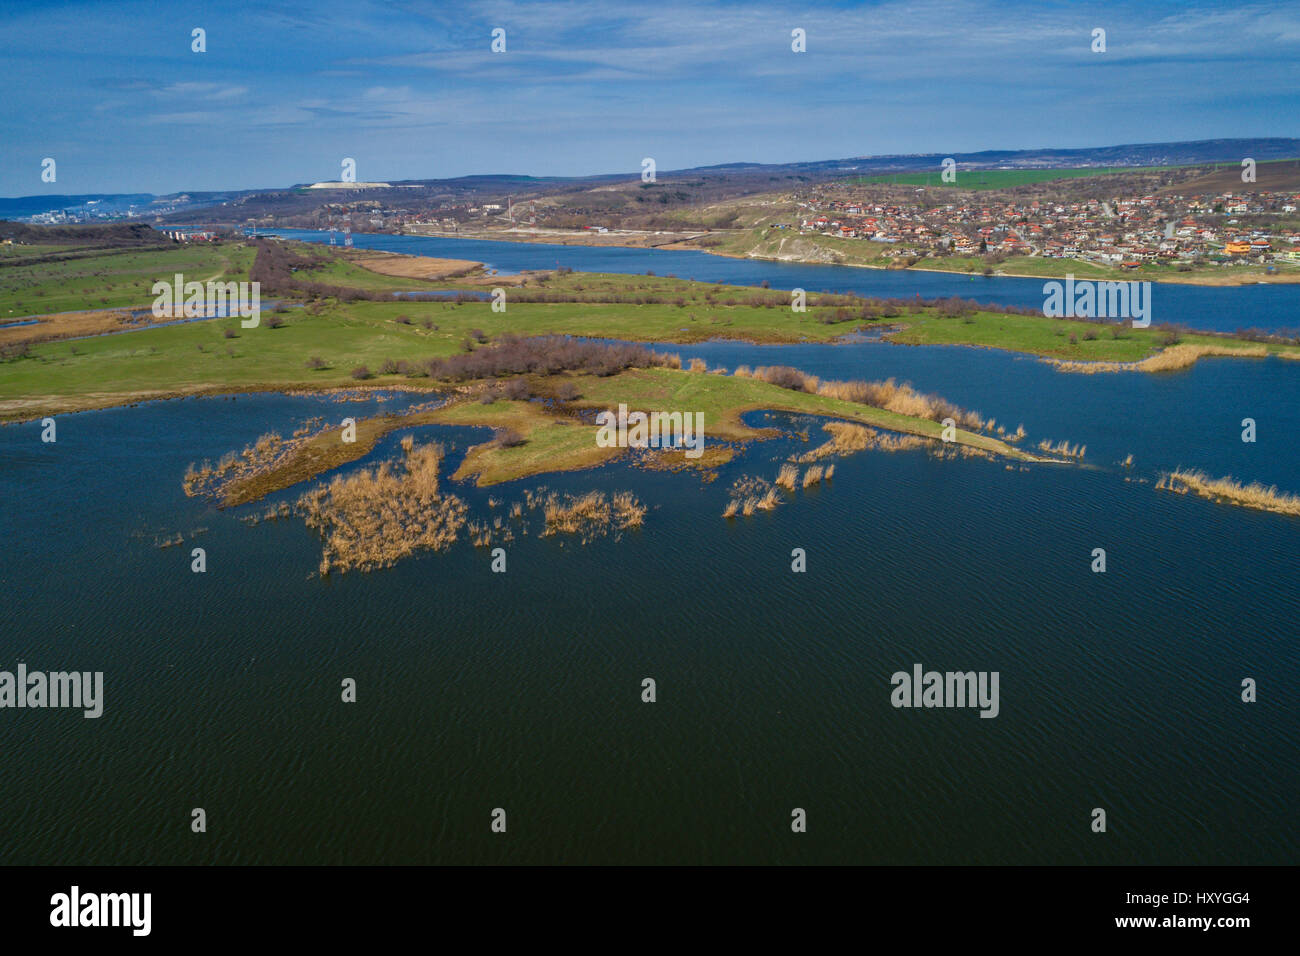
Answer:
(738, 178)
(1194, 153)
(1274, 177)
(24, 206)
(95, 235)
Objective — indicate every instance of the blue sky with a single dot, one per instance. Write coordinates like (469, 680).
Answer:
(411, 90)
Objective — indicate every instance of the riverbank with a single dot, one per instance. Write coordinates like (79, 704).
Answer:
(330, 344)
(829, 250)
(553, 428)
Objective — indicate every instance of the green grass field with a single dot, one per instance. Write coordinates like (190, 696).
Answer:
(15, 253)
(983, 179)
(1051, 338)
(114, 279)
(991, 178)
(199, 357)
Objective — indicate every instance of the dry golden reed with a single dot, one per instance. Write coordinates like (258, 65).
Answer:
(787, 476)
(847, 439)
(376, 516)
(889, 394)
(1166, 360)
(593, 514)
(1226, 489)
(257, 457)
(1062, 448)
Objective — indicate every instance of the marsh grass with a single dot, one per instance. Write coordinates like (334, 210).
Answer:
(749, 494)
(848, 439)
(591, 515)
(261, 456)
(1166, 360)
(1228, 490)
(377, 516)
(902, 399)
(1062, 448)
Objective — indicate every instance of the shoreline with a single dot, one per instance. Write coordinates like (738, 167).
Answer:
(688, 244)
(99, 401)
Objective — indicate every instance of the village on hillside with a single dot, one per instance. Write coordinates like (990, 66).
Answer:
(1124, 232)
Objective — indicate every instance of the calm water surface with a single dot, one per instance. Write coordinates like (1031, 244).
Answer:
(1265, 306)
(522, 691)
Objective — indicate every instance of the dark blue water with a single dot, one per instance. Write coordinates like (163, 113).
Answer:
(522, 691)
(1271, 307)
(1190, 418)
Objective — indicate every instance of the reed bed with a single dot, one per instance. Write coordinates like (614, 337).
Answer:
(261, 456)
(377, 516)
(949, 451)
(848, 439)
(749, 495)
(813, 476)
(1166, 360)
(1062, 448)
(1228, 490)
(592, 515)
(889, 394)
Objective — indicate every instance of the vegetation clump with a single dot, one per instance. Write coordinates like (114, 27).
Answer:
(377, 516)
(593, 514)
(847, 439)
(889, 394)
(1253, 495)
(513, 355)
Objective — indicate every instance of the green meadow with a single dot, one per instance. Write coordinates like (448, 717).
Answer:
(992, 178)
(112, 279)
(337, 339)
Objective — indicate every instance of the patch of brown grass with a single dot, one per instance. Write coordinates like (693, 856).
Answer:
(1062, 448)
(257, 458)
(375, 517)
(1166, 360)
(1229, 491)
(415, 267)
(847, 439)
(593, 514)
